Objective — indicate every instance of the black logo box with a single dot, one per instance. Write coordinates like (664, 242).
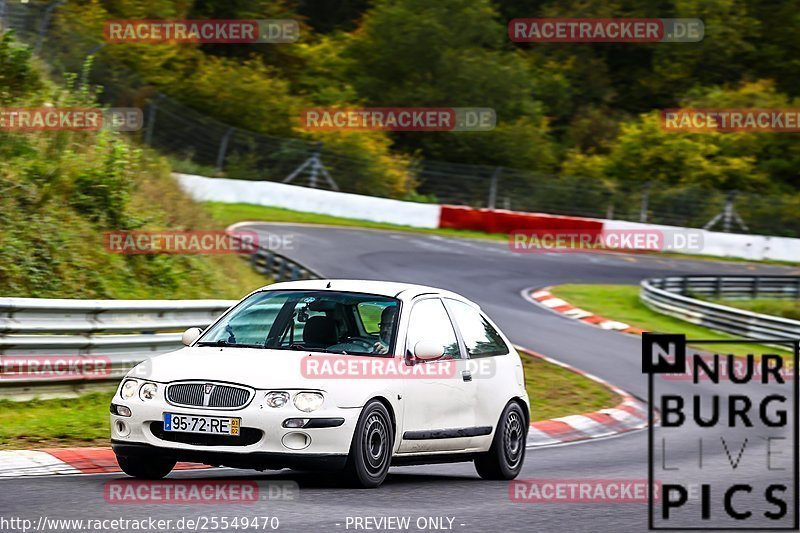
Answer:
(674, 345)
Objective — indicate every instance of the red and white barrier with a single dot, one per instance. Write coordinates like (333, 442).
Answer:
(418, 215)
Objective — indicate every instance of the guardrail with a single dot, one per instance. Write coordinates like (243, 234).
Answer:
(673, 296)
(49, 347)
(116, 334)
(280, 267)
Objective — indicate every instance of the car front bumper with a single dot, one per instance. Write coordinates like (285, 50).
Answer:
(263, 441)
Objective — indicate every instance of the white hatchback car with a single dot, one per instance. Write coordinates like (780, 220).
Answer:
(339, 374)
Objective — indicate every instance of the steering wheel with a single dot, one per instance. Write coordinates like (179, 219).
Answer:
(360, 342)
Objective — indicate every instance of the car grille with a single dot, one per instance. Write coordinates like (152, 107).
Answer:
(221, 396)
(246, 437)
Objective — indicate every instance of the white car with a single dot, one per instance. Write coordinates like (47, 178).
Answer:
(350, 375)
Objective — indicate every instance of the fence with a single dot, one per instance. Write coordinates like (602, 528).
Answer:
(200, 144)
(672, 296)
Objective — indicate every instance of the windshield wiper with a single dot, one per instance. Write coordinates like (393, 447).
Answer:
(226, 344)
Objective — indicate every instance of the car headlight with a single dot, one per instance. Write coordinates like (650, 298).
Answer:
(308, 401)
(148, 391)
(277, 398)
(128, 390)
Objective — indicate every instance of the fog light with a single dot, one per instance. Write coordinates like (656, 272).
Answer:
(296, 441)
(295, 422)
(122, 428)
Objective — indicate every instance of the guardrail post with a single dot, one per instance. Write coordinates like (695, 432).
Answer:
(282, 270)
(254, 262)
(718, 287)
(756, 287)
(685, 285)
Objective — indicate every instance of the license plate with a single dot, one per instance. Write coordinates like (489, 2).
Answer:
(202, 424)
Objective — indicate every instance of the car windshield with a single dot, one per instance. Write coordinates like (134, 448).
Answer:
(320, 321)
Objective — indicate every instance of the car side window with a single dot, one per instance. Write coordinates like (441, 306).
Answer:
(429, 321)
(480, 337)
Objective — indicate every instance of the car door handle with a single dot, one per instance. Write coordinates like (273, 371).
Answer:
(466, 375)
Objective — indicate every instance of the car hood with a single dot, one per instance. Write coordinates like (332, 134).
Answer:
(257, 368)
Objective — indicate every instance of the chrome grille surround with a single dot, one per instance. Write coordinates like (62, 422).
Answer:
(208, 394)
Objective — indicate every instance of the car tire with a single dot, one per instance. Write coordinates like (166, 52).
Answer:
(507, 453)
(371, 449)
(146, 466)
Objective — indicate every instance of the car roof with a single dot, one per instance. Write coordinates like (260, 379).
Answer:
(381, 288)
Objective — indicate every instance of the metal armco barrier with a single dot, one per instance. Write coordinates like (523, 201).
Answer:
(116, 333)
(279, 267)
(673, 296)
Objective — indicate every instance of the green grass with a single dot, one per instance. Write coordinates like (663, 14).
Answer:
(84, 421)
(783, 308)
(621, 302)
(81, 421)
(555, 391)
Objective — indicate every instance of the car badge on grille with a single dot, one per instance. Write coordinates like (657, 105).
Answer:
(208, 388)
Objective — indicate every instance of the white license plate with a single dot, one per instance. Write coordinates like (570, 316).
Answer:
(214, 425)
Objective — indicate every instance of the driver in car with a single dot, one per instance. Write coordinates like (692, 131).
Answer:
(388, 316)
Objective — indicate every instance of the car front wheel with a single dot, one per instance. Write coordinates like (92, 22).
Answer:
(146, 466)
(504, 459)
(371, 449)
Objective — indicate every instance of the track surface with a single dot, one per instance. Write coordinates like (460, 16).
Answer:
(491, 275)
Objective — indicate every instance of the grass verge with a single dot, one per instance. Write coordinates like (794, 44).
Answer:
(83, 421)
(621, 302)
(555, 391)
(783, 308)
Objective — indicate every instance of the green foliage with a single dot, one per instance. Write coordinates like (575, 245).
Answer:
(16, 73)
(61, 191)
(586, 111)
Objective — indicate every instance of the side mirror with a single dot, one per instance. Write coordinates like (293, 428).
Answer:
(190, 335)
(428, 351)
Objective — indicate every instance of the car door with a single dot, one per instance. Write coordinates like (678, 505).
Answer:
(439, 413)
(496, 375)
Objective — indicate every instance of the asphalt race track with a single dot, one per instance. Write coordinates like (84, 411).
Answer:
(492, 275)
